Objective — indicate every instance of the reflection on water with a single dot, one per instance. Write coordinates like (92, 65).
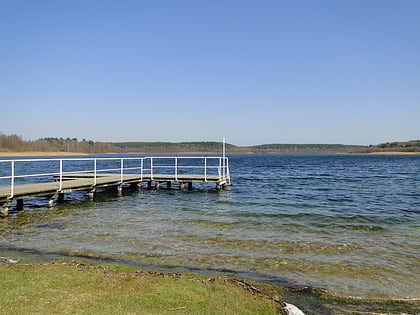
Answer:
(341, 222)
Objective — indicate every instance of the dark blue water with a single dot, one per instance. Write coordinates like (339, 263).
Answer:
(346, 223)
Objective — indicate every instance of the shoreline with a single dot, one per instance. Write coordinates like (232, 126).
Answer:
(26, 256)
(393, 153)
(42, 153)
(118, 280)
(39, 153)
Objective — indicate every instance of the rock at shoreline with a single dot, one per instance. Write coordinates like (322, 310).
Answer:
(290, 309)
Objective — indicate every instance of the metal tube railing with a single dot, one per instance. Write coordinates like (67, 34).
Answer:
(222, 168)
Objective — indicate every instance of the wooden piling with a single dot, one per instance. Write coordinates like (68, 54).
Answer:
(60, 197)
(91, 193)
(19, 204)
(51, 200)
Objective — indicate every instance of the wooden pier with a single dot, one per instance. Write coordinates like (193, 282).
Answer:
(146, 170)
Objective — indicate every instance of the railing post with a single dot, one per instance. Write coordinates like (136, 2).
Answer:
(122, 169)
(94, 172)
(220, 167)
(141, 169)
(151, 168)
(205, 169)
(176, 169)
(12, 183)
(61, 175)
(227, 171)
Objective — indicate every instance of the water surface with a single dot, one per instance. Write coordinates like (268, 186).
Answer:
(345, 223)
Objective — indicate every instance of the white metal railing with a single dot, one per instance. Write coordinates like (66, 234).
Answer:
(17, 169)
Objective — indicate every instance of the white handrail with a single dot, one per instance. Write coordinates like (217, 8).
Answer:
(222, 168)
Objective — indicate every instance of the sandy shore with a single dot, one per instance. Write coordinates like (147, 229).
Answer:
(396, 152)
(37, 153)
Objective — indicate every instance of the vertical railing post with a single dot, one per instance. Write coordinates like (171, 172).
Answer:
(94, 172)
(151, 168)
(61, 175)
(122, 170)
(220, 167)
(141, 169)
(12, 179)
(205, 169)
(227, 171)
(176, 169)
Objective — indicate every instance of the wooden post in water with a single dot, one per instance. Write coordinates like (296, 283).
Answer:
(168, 185)
(91, 193)
(51, 200)
(181, 186)
(60, 197)
(190, 186)
(19, 204)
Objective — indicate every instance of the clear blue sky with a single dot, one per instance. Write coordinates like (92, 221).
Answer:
(253, 71)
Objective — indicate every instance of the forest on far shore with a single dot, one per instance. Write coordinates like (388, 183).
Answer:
(15, 143)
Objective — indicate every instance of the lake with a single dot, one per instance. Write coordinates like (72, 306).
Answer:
(345, 223)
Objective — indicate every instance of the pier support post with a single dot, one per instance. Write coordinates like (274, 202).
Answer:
(51, 200)
(157, 185)
(119, 189)
(4, 209)
(190, 186)
(168, 185)
(19, 204)
(91, 193)
(60, 197)
(181, 186)
(136, 186)
(149, 184)
(218, 187)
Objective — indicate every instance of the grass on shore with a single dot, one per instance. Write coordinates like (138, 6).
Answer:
(70, 287)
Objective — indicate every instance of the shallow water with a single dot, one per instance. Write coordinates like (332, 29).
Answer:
(346, 223)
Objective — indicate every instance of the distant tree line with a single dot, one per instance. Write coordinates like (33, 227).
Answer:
(14, 143)
(306, 148)
(407, 146)
(171, 147)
